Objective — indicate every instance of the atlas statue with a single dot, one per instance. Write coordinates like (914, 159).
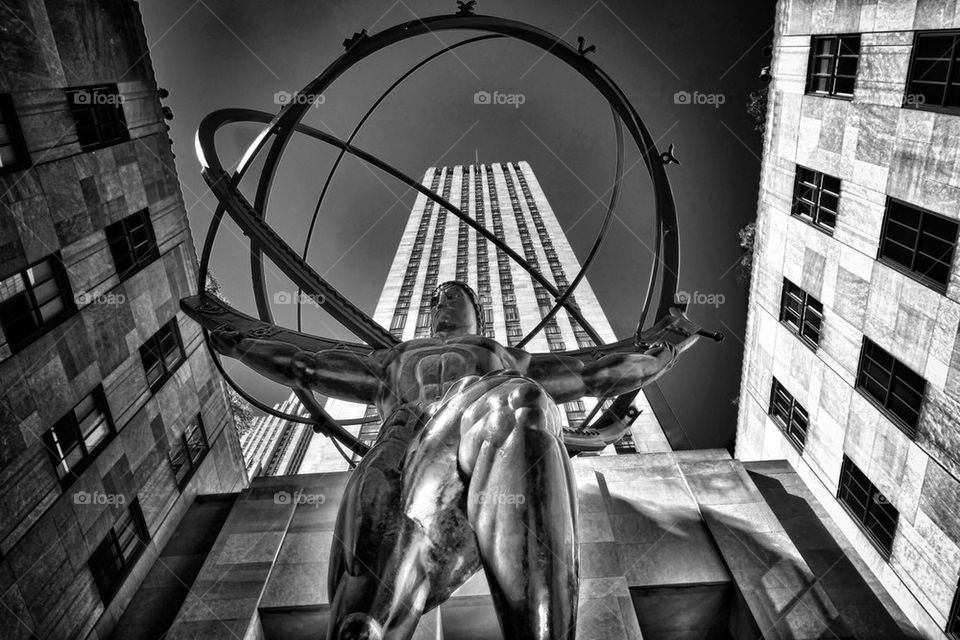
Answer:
(471, 467)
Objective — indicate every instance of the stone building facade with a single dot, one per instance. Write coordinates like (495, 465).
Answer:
(113, 418)
(852, 363)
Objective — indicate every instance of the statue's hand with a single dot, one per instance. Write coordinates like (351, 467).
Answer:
(664, 350)
(226, 342)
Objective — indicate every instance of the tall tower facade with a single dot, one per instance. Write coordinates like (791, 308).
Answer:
(852, 363)
(274, 446)
(113, 419)
(436, 246)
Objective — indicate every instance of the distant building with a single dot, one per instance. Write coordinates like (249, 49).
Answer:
(274, 446)
(852, 363)
(113, 418)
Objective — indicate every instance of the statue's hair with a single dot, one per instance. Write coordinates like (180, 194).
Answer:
(477, 309)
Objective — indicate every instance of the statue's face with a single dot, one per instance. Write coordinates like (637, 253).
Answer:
(453, 310)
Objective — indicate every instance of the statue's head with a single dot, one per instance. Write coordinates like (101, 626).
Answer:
(455, 309)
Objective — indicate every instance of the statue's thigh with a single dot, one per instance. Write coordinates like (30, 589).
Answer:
(369, 515)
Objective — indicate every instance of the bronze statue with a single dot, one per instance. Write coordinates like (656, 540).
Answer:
(469, 469)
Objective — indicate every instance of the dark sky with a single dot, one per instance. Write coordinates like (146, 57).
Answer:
(214, 54)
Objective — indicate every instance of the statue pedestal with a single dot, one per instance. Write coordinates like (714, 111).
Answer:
(669, 541)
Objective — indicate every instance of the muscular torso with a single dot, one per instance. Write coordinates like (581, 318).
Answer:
(421, 371)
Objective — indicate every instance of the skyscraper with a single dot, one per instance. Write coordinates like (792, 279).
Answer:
(112, 417)
(437, 246)
(852, 363)
(274, 446)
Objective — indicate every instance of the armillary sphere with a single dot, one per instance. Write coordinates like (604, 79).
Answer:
(612, 417)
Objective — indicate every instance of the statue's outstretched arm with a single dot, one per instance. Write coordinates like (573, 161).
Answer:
(335, 373)
(567, 378)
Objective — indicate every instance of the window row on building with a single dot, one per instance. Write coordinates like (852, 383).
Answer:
(507, 293)
(933, 77)
(866, 504)
(36, 299)
(483, 268)
(556, 268)
(119, 550)
(916, 242)
(97, 115)
(888, 383)
(75, 440)
(402, 310)
(463, 231)
(424, 318)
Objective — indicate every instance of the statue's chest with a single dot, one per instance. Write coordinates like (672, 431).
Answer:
(427, 376)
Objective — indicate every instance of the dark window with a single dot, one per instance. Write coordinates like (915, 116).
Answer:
(13, 150)
(892, 385)
(555, 344)
(132, 243)
(920, 241)
(510, 312)
(76, 438)
(399, 320)
(870, 508)
(801, 312)
(832, 70)
(185, 456)
(33, 301)
(934, 77)
(116, 555)
(161, 354)
(423, 320)
(788, 414)
(816, 198)
(953, 622)
(514, 330)
(98, 115)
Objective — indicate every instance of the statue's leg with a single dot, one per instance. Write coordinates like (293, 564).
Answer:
(367, 532)
(522, 504)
